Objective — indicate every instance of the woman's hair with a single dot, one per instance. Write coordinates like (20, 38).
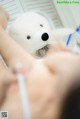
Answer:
(71, 105)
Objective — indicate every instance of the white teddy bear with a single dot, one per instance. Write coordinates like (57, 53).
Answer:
(35, 32)
(32, 30)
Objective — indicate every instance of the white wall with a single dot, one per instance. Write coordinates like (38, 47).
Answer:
(69, 14)
(17, 7)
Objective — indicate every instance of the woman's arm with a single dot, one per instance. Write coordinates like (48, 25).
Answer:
(3, 80)
(6, 78)
(11, 51)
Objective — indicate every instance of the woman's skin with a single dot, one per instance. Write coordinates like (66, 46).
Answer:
(47, 81)
(6, 78)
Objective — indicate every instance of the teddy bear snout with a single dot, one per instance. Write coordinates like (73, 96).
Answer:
(45, 36)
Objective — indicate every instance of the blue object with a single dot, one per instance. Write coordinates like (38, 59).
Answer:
(78, 29)
(68, 40)
(70, 35)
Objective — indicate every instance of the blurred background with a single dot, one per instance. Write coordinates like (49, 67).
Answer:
(63, 15)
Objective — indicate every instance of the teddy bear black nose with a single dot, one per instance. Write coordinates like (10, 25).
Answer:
(45, 36)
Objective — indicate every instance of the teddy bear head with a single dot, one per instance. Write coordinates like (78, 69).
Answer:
(32, 31)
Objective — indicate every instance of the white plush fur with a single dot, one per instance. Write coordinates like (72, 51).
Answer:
(29, 25)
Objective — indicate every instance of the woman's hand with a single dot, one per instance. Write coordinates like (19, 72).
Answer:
(6, 79)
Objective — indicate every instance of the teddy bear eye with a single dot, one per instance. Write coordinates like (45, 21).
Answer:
(28, 37)
(41, 25)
